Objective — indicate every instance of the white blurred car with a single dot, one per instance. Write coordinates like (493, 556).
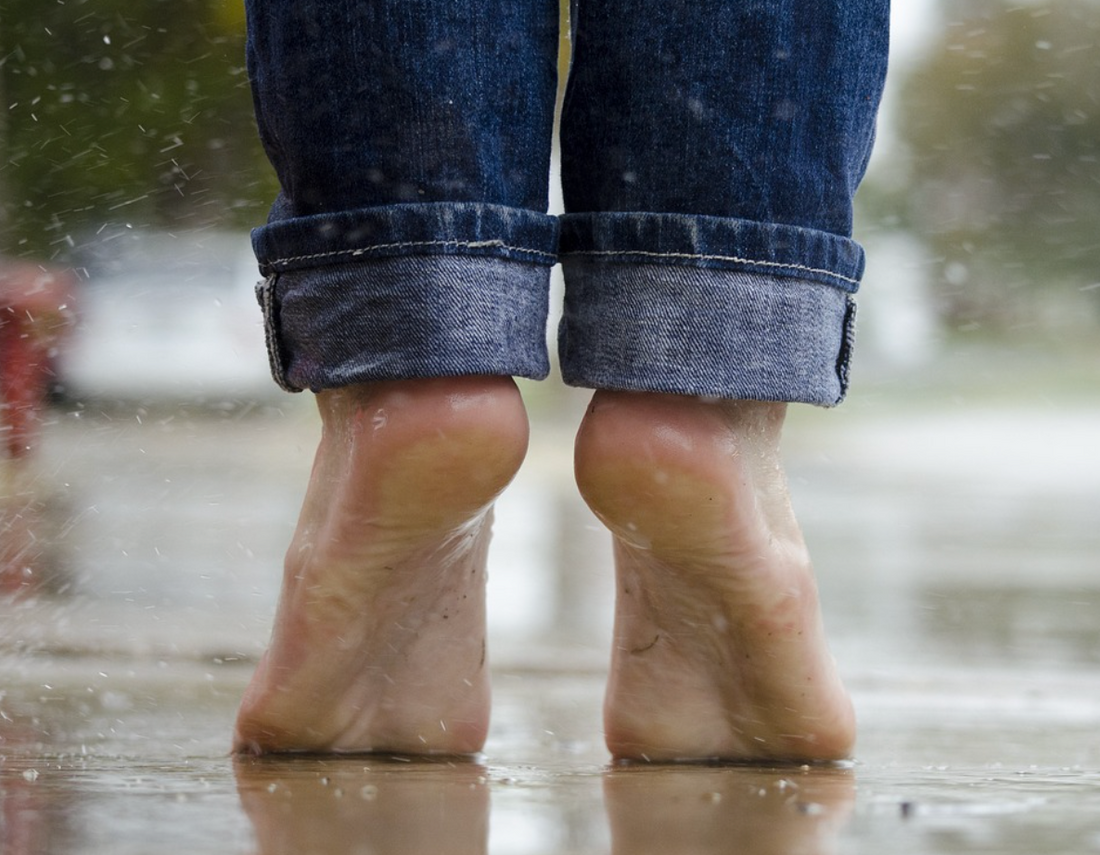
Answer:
(168, 316)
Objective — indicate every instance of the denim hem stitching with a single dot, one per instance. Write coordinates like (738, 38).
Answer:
(730, 258)
(353, 253)
(265, 293)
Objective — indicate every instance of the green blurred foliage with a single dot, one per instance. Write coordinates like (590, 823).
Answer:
(1001, 122)
(129, 112)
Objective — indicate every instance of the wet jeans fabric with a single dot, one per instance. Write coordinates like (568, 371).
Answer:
(710, 151)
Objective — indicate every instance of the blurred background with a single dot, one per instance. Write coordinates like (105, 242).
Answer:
(160, 476)
(150, 471)
(128, 142)
(162, 473)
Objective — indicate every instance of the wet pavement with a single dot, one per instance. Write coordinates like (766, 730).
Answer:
(957, 545)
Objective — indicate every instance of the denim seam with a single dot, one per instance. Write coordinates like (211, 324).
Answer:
(353, 253)
(265, 294)
(733, 259)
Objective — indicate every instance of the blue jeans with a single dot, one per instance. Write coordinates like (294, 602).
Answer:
(710, 152)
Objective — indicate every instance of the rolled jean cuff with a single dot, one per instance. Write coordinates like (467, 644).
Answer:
(406, 291)
(707, 306)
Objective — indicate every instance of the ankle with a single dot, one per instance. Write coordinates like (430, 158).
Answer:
(460, 402)
(433, 449)
(643, 428)
(655, 463)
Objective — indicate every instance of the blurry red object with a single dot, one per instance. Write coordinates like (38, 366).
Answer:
(35, 313)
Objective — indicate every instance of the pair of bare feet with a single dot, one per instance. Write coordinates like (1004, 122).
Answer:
(379, 639)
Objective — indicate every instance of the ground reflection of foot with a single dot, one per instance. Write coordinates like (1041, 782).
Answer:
(35, 816)
(719, 650)
(367, 804)
(677, 810)
(379, 639)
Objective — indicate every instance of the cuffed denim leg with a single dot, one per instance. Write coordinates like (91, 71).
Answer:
(707, 306)
(406, 291)
(710, 153)
(412, 143)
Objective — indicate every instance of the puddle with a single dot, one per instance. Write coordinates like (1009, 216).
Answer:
(964, 613)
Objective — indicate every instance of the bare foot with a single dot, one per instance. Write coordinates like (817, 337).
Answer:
(379, 639)
(719, 649)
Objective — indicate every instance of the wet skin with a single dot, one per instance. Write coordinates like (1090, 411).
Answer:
(719, 649)
(379, 639)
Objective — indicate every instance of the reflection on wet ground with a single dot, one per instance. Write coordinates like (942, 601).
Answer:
(958, 558)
